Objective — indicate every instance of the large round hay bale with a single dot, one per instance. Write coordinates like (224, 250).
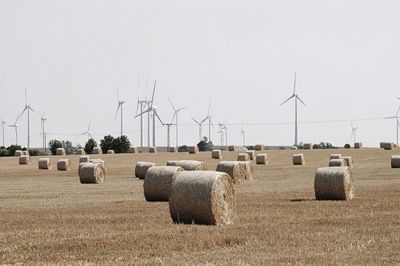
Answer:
(308, 146)
(243, 157)
(337, 162)
(64, 165)
(157, 182)
(387, 145)
(80, 152)
(259, 147)
(188, 165)
(202, 197)
(298, 159)
(357, 145)
(141, 169)
(239, 171)
(153, 150)
(110, 152)
(261, 158)
(172, 149)
(97, 150)
(44, 163)
(193, 149)
(333, 183)
(216, 154)
(252, 154)
(395, 161)
(60, 151)
(25, 152)
(24, 159)
(349, 161)
(231, 148)
(133, 149)
(335, 156)
(18, 153)
(84, 159)
(91, 173)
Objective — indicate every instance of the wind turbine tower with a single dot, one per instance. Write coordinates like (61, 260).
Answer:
(2, 126)
(15, 126)
(176, 114)
(87, 132)
(141, 105)
(43, 120)
(243, 133)
(120, 105)
(28, 109)
(353, 132)
(397, 123)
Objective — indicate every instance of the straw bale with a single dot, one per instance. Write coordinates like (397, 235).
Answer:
(333, 183)
(25, 153)
(239, 171)
(97, 150)
(216, 154)
(231, 148)
(141, 169)
(84, 159)
(188, 165)
(308, 146)
(60, 151)
(298, 159)
(157, 182)
(64, 165)
(357, 145)
(395, 161)
(259, 147)
(44, 163)
(110, 152)
(337, 162)
(349, 161)
(91, 173)
(261, 158)
(335, 156)
(153, 150)
(193, 149)
(18, 153)
(80, 152)
(243, 157)
(24, 159)
(252, 154)
(133, 149)
(387, 145)
(173, 149)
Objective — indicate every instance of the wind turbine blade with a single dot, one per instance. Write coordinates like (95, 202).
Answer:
(389, 117)
(180, 109)
(204, 120)
(155, 112)
(137, 107)
(26, 97)
(23, 111)
(173, 107)
(30, 108)
(209, 108)
(294, 84)
(287, 99)
(300, 100)
(84, 133)
(90, 135)
(398, 110)
(90, 123)
(116, 113)
(146, 111)
(118, 93)
(154, 91)
(197, 122)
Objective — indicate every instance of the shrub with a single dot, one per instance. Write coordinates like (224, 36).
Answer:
(3, 152)
(11, 149)
(34, 152)
(54, 144)
(121, 144)
(205, 145)
(183, 148)
(107, 143)
(90, 144)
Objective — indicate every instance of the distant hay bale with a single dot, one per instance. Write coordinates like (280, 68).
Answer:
(157, 182)
(91, 173)
(24, 159)
(239, 171)
(188, 165)
(252, 154)
(97, 150)
(243, 157)
(173, 149)
(293, 148)
(333, 183)
(60, 151)
(153, 150)
(387, 145)
(18, 153)
(133, 149)
(64, 165)
(335, 156)
(298, 159)
(44, 163)
(25, 153)
(80, 152)
(381, 145)
(349, 161)
(110, 152)
(237, 148)
(141, 169)
(216, 154)
(231, 148)
(84, 159)
(357, 145)
(261, 158)
(337, 162)
(193, 149)
(395, 161)
(259, 147)
(308, 146)
(202, 197)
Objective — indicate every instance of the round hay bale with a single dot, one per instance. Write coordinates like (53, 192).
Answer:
(333, 183)
(173, 149)
(259, 147)
(231, 148)
(188, 165)
(44, 163)
(99, 161)
(252, 154)
(387, 145)
(18, 153)
(357, 145)
(25, 153)
(261, 158)
(97, 150)
(133, 149)
(60, 151)
(293, 148)
(395, 161)
(153, 150)
(216, 154)
(80, 152)
(243, 157)
(110, 152)
(298, 159)
(64, 165)
(24, 159)
(141, 169)
(202, 197)
(91, 173)
(157, 182)
(193, 149)
(335, 156)
(337, 162)
(349, 161)
(84, 159)
(239, 171)
(308, 146)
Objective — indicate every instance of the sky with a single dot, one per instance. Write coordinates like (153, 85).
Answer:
(72, 55)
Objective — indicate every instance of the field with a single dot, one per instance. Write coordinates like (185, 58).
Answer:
(48, 217)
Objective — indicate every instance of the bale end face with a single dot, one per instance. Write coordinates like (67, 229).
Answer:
(259, 147)
(357, 145)
(387, 145)
(157, 182)
(261, 158)
(335, 156)
(91, 173)
(80, 152)
(24, 159)
(97, 150)
(172, 149)
(216, 154)
(298, 159)
(141, 169)
(251, 154)
(84, 159)
(193, 149)
(337, 162)
(61, 151)
(333, 183)
(349, 161)
(243, 157)
(153, 150)
(133, 149)
(64, 165)
(44, 163)
(395, 161)
(308, 146)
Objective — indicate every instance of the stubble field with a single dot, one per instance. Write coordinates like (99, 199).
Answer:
(48, 217)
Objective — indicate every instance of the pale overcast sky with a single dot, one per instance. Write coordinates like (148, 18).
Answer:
(71, 55)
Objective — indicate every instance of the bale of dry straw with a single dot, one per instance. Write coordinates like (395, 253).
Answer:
(91, 173)
(231, 148)
(349, 161)
(395, 161)
(133, 149)
(298, 159)
(141, 169)
(335, 156)
(110, 152)
(188, 165)
(44, 163)
(357, 145)
(387, 145)
(239, 171)
(157, 182)
(193, 149)
(243, 157)
(261, 158)
(60, 151)
(80, 152)
(308, 146)
(251, 154)
(18, 153)
(84, 159)
(202, 197)
(333, 183)
(64, 165)
(173, 149)
(259, 147)
(153, 150)
(216, 154)
(25, 153)
(24, 159)
(97, 150)
(337, 162)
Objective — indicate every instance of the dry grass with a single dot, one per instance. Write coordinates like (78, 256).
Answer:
(48, 217)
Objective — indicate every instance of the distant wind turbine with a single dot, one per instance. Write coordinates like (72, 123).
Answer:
(353, 132)
(397, 123)
(296, 97)
(141, 105)
(200, 123)
(15, 126)
(87, 132)
(43, 132)
(28, 109)
(176, 114)
(2, 126)
(243, 133)
(120, 105)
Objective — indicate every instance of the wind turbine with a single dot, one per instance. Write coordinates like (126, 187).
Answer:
(27, 108)
(200, 123)
(2, 126)
(209, 121)
(296, 97)
(15, 126)
(243, 133)
(353, 132)
(120, 105)
(397, 123)
(88, 131)
(176, 113)
(141, 105)
(43, 133)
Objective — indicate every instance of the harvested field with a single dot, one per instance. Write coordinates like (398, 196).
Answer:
(48, 217)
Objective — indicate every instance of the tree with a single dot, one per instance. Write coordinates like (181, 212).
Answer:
(69, 148)
(205, 145)
(54, 145)
(121, 144)
(107, 143)
(90, 144)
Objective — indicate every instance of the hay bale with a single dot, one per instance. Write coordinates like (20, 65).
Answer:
(395, 161)
(91, 173)
(243, 157)
(239, 171)
(110, 152)
(202, 197)
(153, 150)
(216, 154)
(84, 159)
(188, 165)
(80, 152)
(293, 148)
(141, 169)
(99, 161)
(133, 149)
(387, 145)
(333, 183)
(97, 150)
(64, 165)
(259, 147)
(24, 159)
(231, 148)
(44, 163)
(308, 146)
(298, 159)
(337, 162)
(193, 149)
(18, 153)
(252, 154)
(261, 158)
(349, 161)
(335, 156)
(157, 182)
(173, 149)
(60, 151)
(357, 145)
(25, 153)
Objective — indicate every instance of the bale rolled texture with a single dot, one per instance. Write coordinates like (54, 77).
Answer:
(141, 169)
(335, 156)
(18, 153)
(84, 159)
(91, 173)
(357, 145)
(333, 183)
(193, 149)
(153, 149)
(387, 145)
(239, 171)
(243, 157)
(395, 161)
(60, 151)
(252, 154)
(202, 197)
(349, 161)
(44, 163)
(80, 152)
(157, 182)
(97, 150)
(64, 165)
(133, 149)
(24, 159)
(337, 162)
(231, 148)
(173, 149)
(216, 154)
(261, 158)
(188, 165)
(259, 147)
(110, 152)
(298, 159)
(308, 146)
